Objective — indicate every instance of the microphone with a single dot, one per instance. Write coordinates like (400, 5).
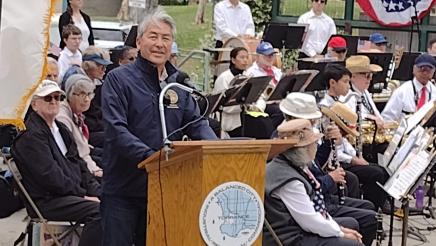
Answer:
(166, 141)
(184, 79)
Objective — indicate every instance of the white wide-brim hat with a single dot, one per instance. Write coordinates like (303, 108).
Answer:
(300, 105)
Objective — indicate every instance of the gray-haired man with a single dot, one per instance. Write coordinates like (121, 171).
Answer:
(133, 132)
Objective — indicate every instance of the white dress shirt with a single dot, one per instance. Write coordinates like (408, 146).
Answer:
(352, 103)
(231, 21)
(321, 27)
(294, 196)
(231, 118)
(345, 151)
(404, 98)
(67, 59)
(58, 138)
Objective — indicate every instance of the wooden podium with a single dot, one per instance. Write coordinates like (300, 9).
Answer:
(178, 187)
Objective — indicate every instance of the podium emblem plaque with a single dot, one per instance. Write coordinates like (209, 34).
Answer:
(231, 214)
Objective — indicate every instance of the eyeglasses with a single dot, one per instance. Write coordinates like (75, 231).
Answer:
(131, 58)
(367, 75)
(58, 98)
(321, 1)
(83, 95)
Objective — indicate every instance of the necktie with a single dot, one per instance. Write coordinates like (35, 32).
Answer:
(270, 72)
(422, 99)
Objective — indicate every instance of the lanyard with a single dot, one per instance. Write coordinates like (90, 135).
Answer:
(416, 96)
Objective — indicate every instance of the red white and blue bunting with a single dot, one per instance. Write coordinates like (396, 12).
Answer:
(395, 12)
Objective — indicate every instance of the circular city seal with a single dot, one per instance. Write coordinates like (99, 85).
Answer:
(231, 214)
(172, 95)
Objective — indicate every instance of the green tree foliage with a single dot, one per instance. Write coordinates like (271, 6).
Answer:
(261, 11)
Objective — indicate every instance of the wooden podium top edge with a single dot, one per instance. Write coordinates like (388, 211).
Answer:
(276, 147)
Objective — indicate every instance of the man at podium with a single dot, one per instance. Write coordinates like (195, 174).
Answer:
(130, 108)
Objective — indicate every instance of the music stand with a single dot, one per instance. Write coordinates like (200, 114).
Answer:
(131, 37)
(404, 71)
(383, 60)
(249, 90)
(352, 43)
(292, 83)
(317, 83)
(284, 35)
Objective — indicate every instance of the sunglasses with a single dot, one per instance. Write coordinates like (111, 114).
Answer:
(367, 75)
(321, 1)
(131, 58)
(340, 51)
(58, 98)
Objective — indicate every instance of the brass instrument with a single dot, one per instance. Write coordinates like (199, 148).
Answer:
(382, 135)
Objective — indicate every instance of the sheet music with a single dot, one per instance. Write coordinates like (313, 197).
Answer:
(390, 151)
(414, 120)
(407, 175)
(405, 149)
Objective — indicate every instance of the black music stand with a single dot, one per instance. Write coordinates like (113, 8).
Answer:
(248, 91)
(318, 83)
(383, 60)
(292, 83)
(404, 71)
(131, 37)
(284, 35)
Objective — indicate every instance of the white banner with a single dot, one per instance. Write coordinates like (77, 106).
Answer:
(24, 42)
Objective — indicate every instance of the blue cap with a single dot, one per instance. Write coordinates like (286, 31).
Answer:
(425, 60)
(265, 48)
(377, 38)
(97, 59)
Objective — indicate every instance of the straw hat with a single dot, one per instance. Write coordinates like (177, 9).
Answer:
(343, 116)
(361, 64)
(299, 129)
(300, 105)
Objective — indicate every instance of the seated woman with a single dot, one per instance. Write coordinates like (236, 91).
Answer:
(79, 91)
(294, 204)
(55, 176)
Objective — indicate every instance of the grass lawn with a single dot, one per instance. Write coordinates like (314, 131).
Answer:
(188, 33)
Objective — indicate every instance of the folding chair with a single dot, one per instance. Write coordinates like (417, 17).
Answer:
(48, 225)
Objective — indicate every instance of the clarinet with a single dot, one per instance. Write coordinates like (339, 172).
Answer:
(379, 232)
(335, 165)
(359, 141)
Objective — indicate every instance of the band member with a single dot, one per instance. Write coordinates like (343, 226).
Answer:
(294, 204)
(361, 76)
(337, 79)
(369, 174)
(321, 27)
(413, 94)
(337, 48)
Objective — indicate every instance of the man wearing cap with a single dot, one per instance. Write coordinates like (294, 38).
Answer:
(264, 67)
(337, 48)
(378, 43)
(133, 129)
(294, 204)
(54, 175)
(321, 27)
(361, 76)
(413, 94)
(232, 19)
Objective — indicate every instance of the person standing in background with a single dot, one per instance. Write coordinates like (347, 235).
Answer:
(321, 27)
(74, 15)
